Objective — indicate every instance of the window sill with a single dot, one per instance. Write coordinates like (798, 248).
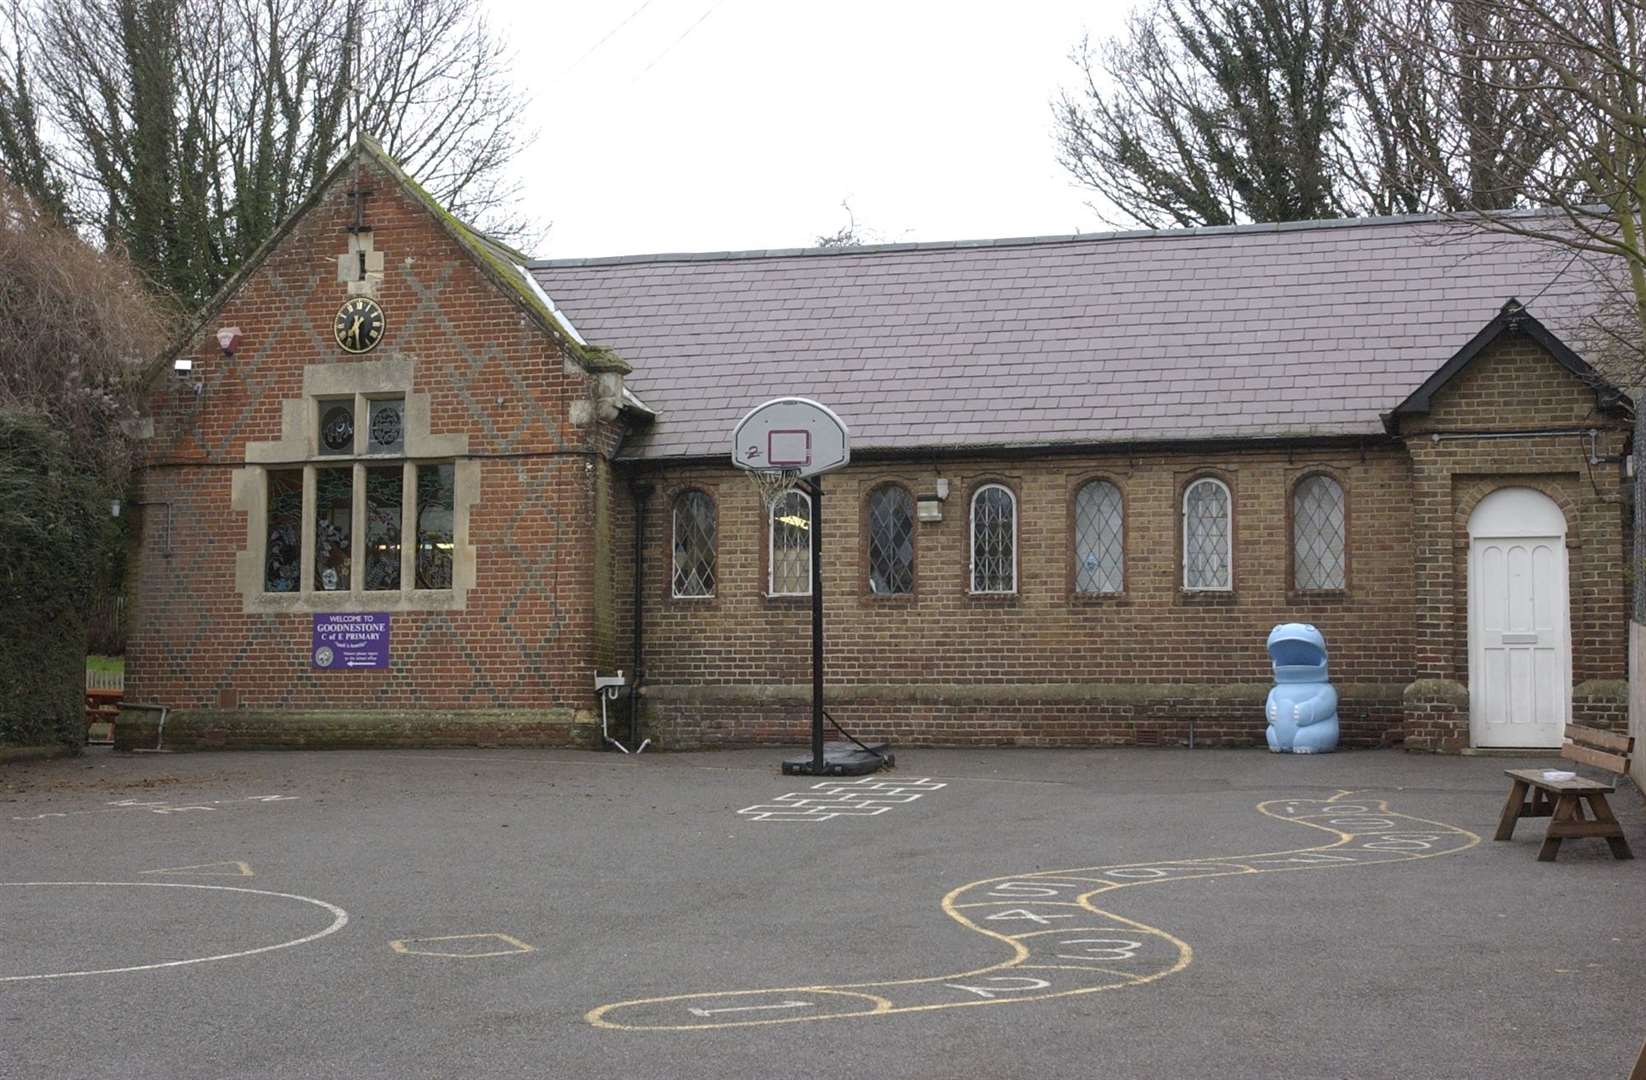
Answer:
(323, 602)
(1112, 599)
(1318, 596)
(888, 597)
(1207, 597)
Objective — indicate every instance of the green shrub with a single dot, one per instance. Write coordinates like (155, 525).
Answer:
(54, 533)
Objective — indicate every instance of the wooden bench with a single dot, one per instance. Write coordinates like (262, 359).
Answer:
(1561, 801)
(102, 707)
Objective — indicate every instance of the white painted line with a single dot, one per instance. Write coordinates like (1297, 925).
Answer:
(404, 945)
(206, 869)
(749, 1008)
(340, 919)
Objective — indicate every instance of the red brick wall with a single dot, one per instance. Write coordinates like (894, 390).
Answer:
(523, 641)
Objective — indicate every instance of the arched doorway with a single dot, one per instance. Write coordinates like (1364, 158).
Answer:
(1520, 657)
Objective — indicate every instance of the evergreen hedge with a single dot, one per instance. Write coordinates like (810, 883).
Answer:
(54, 537)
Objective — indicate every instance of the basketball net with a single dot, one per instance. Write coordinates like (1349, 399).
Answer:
(773, 484)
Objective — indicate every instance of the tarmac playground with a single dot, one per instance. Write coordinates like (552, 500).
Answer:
(974, 913)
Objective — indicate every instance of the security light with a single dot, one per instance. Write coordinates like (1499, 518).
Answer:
(228, 339)
(183, 366)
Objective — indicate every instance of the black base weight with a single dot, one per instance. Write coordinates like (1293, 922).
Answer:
(841, 759)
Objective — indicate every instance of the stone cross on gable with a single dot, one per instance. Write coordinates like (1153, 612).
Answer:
(360, 265)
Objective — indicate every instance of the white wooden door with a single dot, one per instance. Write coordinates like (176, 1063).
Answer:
(1520, 688)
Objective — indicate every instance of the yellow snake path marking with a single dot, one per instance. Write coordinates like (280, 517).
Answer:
(1060, 942)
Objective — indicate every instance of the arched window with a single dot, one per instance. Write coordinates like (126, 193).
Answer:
(1099, 539)
(891, 541)
(994, 540)
(1318, 533)
(789, 533)
(694, 544)
(1207, 553)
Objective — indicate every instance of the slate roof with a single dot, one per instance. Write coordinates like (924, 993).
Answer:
(1276, 331)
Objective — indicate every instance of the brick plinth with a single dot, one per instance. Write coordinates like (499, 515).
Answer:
(220, 729)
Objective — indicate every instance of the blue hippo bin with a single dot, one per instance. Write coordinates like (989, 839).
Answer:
(1302, 707)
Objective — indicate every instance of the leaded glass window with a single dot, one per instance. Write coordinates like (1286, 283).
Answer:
(1206, 535)
(994, 540)
(891, 541)
(1099, 539)
(436, 501)
(1317, 533)
(791, 545)
(282, 558)
(385, 425)
(384, 504)
(337, 427)
(694, 545)
(333, 528)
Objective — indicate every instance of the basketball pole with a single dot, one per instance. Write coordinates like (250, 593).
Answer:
(817, 624)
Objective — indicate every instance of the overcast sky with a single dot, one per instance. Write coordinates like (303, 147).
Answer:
(707, 125)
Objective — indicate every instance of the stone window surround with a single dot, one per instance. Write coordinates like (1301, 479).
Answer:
(299, 447)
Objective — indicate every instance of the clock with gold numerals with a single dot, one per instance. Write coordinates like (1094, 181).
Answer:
(359, 325)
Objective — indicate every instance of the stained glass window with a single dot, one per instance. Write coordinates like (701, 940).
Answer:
(384, 503)
(694, 545)
(282, 560)
(791, 545)
(1317, 533)
(386, 426)
(1206, 535)
(436, 503)
(891, 540)
(994, 540)
(333, 528)
(1099, 556)
(337, 427)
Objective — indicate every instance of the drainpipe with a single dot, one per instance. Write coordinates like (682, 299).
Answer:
(641, 492)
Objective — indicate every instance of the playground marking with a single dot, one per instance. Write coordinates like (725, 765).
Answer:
(1094, 951)
(160, 806)
(864, 797)
(340, 919)
(207, 869)
(406, 946)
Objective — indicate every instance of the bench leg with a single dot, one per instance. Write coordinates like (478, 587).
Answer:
(1565, 811)
(1602, 811)
(1512, 810)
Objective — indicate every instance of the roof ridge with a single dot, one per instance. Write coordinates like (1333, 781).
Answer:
(1190, 232)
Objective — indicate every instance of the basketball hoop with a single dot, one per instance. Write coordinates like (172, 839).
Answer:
(773, 484)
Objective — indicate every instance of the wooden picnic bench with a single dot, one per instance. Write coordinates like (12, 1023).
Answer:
(1561, 801)
(102, 707)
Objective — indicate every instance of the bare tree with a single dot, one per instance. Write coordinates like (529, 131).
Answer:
(1214, 112)
(188, 129)
(1589, 90)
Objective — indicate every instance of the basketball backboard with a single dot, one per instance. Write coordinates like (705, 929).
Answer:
(792, 434)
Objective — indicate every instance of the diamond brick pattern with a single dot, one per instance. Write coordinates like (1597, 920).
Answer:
(1206, 536)
(1098, 539)
(1297, 329)
(891, 541)
(1317, 533)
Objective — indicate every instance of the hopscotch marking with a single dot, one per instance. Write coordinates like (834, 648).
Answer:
(1060, 942)
(863, 797)
(162, 806)
(340, 919)
(414, 946)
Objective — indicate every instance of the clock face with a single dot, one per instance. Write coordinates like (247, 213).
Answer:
(359, 325)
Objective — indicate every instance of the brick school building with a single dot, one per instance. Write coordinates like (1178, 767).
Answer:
(411, 488)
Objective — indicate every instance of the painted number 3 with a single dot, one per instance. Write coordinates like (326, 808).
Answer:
(1098, 948)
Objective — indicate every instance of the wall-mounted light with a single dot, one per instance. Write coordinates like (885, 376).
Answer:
(228, 339)
(929, 508)
(183, 369)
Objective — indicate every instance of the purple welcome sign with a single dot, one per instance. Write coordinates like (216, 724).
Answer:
(350, 640)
